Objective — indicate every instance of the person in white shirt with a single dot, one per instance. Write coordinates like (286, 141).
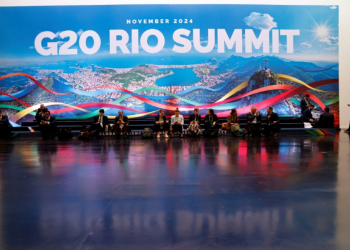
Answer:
(254, 122)
(177, 122)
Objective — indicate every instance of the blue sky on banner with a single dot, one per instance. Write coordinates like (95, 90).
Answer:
(318, 27)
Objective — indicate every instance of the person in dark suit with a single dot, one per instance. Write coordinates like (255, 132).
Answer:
(40, 113)
(121, 124)
(5, 126)
(254, 122)
(48, 126)
(272, 122)
(307, 117)
(304, 104)
(326, 120)
(211, 123)
(161, 123)
(100, 123)
(194, 126)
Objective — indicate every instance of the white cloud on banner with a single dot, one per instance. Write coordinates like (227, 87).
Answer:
(44, 47)
(203, 40)
(330, 40)
(334, 7)
(80, 32)
(331, 48)
(283, 47)
(306, 45)
(260, 21)
(58, 41)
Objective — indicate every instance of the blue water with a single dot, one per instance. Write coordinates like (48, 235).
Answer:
(135, 60)
(181, 77)
(54, 66)
(70, 70)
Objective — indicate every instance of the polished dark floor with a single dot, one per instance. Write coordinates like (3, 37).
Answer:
(288, 192)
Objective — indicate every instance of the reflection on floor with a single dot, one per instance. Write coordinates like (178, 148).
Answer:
(218, 193)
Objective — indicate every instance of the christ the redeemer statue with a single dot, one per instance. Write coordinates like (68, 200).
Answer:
(266, 62)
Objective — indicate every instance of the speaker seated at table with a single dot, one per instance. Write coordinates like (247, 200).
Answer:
(121, 124)
(100, 122)
(5, 126)
(254, 122)
(47, 126)
(211, 123)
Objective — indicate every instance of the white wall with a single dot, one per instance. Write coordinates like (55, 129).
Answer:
(344, 34)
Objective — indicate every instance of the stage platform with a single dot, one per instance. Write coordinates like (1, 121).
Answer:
(289, 125)
(287, 192)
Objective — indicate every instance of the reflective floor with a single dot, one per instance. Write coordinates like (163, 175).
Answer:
(287, 192)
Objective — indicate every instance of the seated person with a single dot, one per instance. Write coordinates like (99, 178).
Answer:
(161, 124)
(211, 123)
(48, 126)
(254, 122)
(326, 120)
(304, 104)
(194, 127)
(5, 126)
(272, 122)
(100, 123)
(233, 123)
(307, 117)
(177, 122)
(40, 113)
(121, 124)
(85, 134)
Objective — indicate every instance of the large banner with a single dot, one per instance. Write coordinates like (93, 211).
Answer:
(142, 58)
